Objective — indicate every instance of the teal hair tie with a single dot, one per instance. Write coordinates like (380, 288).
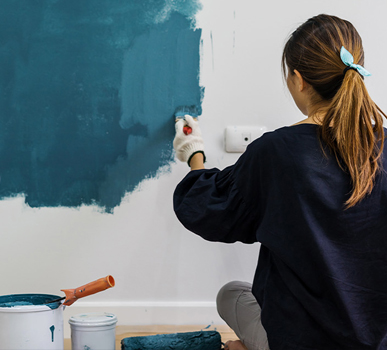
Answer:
(347, 59)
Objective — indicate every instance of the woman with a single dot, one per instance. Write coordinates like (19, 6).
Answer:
(315, 196)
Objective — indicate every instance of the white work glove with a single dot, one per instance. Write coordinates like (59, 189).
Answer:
(187, 145)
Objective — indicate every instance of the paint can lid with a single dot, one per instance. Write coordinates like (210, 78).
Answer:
(93, 319)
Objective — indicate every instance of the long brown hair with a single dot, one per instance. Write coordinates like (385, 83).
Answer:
(353, 124)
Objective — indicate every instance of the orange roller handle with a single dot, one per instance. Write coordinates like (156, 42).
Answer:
(99, 285)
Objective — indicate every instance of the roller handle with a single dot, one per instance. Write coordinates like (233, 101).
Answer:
(99, 285)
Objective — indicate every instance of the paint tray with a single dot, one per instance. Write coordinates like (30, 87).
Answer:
(202, 340)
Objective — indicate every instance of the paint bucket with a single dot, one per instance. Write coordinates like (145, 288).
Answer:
(27, 322)
(94, 331)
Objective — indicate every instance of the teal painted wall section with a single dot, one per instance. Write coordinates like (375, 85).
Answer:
(88, 91)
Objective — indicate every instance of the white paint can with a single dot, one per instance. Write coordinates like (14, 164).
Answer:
(26, 322)
(93, 331)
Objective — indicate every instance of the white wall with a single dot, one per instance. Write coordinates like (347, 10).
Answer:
(163, 273)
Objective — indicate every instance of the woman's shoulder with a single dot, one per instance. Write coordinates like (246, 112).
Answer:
(290, 134)
(302, 128)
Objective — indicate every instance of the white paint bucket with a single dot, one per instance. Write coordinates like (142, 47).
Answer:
(93, 331)
(27, 322)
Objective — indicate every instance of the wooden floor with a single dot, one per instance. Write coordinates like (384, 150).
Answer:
(135, 331)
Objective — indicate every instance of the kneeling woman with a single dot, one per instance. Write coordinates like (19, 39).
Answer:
(314, 195)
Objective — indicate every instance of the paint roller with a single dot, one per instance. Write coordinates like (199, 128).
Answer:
(202, 340)
(72, 295)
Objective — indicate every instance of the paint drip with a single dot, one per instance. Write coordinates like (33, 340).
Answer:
(52, 329)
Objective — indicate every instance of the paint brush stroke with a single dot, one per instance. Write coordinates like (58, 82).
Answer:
(88, 90)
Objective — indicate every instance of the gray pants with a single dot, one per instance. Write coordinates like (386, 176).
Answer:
(238, 307)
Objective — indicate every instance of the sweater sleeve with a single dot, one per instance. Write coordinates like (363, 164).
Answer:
(222, 206)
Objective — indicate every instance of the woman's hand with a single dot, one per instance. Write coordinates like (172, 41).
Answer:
(188, 144)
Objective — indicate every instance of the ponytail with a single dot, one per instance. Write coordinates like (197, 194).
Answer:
(353, 130)
(353, 124)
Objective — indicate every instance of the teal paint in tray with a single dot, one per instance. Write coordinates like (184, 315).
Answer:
(88, 91)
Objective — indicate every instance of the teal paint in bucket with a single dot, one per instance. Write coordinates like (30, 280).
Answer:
(13, 300)
(28, 322)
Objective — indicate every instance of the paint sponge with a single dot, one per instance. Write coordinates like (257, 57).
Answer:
(202, 340)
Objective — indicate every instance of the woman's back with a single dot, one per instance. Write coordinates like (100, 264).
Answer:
(322, 271)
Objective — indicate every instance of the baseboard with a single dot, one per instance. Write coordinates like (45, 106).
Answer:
(149, 313)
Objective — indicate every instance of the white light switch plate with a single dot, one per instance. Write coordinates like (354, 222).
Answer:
(237, 138)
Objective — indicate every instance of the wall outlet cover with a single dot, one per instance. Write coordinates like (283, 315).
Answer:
(237, 138)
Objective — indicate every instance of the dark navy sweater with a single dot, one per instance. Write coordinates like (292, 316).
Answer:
(321, 278)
